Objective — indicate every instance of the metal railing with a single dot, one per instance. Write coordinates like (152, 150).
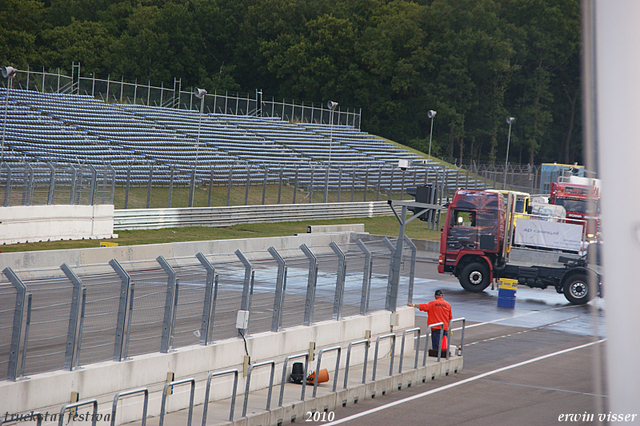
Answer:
(232, 406)
(125, 91)
(168, 387)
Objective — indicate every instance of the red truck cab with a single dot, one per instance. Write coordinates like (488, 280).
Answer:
(472, 240)
(581, 204)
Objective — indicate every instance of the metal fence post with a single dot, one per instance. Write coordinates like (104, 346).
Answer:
(149, 187)
(168, 304)
(366, 278)
(122, 308)
(229, 182)
(264, 184)
(92, 191)
(341, 272)
(280, 185)
(76, 364)
(7, 188)
(246, 189)
(311, 285)
(210, 298)
(126, 191)
(18, 314)
(276, 320)
(412, 267)
(210, 187)
(396, 260)
(23, 362)
(27, 193)
(52, 184)
(247, 289)
(171, 177)
(73, 316)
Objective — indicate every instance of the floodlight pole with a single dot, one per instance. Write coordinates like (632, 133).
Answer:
(199, 93)
(332, 106)
(7, 72)
(431, 114)
(510, 120)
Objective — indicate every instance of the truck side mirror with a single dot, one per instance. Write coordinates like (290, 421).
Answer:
(529, 209)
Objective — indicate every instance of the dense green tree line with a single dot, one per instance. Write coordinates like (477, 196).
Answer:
(473, 61)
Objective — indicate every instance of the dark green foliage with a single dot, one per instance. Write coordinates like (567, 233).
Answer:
(474, 61)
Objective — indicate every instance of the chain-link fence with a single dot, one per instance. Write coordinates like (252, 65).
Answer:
(97, 313)
(39, 183)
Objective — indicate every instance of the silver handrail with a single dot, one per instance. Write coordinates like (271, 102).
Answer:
(208, 389)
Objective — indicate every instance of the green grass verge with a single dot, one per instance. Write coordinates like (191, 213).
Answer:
(385, 225)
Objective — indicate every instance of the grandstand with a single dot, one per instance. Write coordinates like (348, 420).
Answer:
(142, 142)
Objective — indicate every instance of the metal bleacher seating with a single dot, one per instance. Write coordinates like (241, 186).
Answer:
(136, 139)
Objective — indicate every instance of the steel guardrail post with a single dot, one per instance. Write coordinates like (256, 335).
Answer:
(404, 335)
(145, 405)
(205, 407)
(311, 285)
(163, 404)
(366, 278)
(122, 307)
(210, 298)
(18, 314)
(412, 267)
(284, 376)
(276, 319)
(340, 278)
(248, 383)
(335, 377)
(168, 304)
(73, 316)
(375, 356)
(364, 365)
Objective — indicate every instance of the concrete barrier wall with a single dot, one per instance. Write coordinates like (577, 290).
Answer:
(22, 224)
(34, 264)
(103, 380)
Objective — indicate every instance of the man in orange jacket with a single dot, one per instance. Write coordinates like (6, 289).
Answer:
(438, 310)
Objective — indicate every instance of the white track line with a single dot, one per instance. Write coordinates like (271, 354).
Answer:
(461, 382)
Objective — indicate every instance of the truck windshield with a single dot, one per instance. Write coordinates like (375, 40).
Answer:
(576, 206)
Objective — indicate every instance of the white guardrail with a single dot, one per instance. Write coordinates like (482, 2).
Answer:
(234, 215)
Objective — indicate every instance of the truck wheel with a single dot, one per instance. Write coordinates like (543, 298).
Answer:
(576, 289)
(474, 277)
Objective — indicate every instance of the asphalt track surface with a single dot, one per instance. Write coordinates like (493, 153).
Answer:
(540, 363)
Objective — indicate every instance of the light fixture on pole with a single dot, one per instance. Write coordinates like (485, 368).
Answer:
(7, 72)
(332, 106)
(431, 114)
(200, 94)
(510, 120)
